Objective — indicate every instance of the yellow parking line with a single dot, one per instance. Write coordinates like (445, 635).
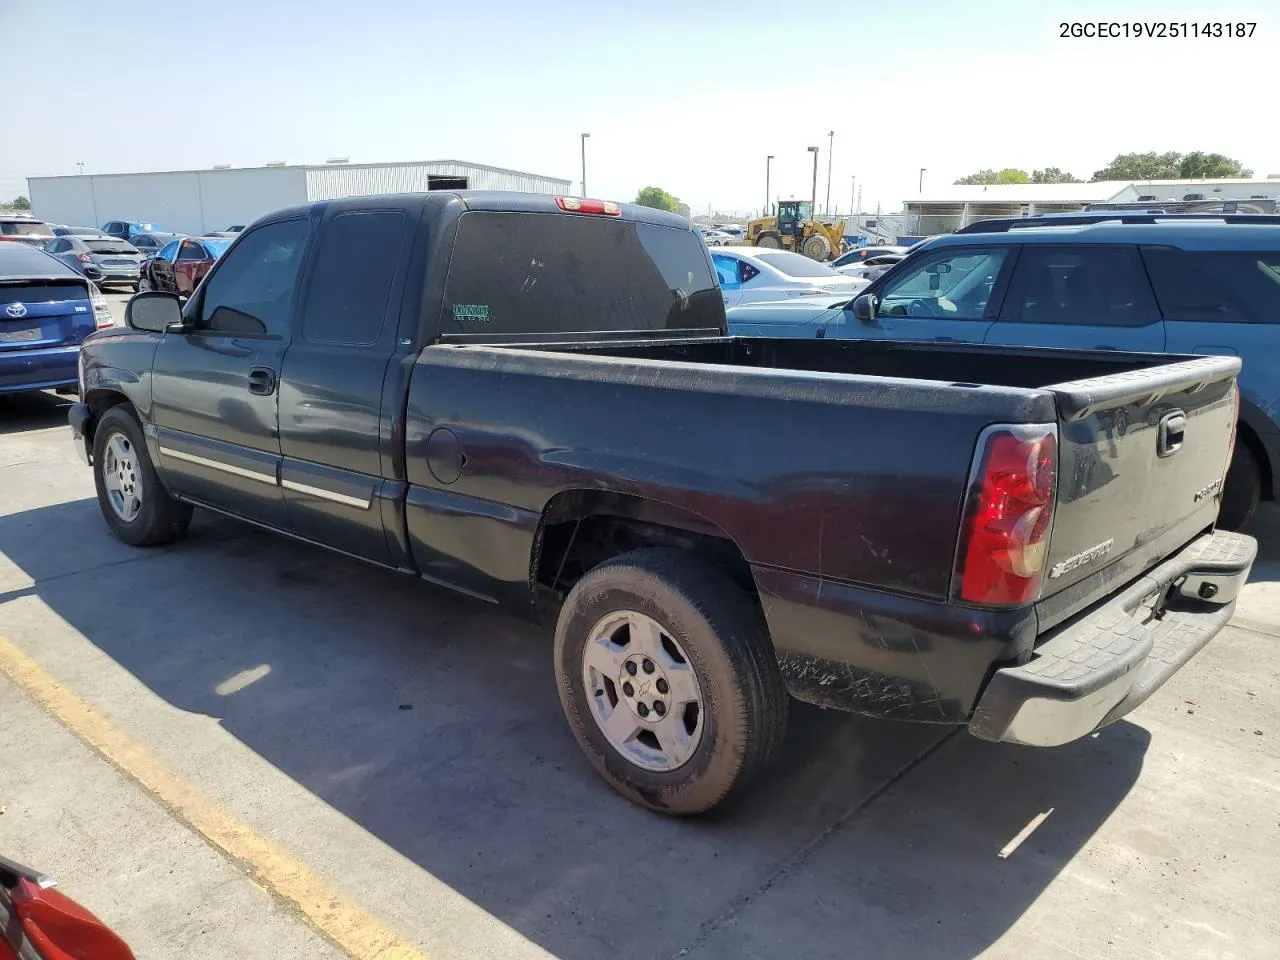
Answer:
(267, 863)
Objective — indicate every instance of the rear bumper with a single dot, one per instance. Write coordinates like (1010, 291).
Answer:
(39, 369)
(1103, 664)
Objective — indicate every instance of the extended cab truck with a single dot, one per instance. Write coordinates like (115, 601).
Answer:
(531, 400)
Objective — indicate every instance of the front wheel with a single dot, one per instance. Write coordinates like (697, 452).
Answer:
(668, 679)
(138, 509)
(143, 285)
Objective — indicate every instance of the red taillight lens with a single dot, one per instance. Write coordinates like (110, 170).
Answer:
(1006, 528)
(605, 208)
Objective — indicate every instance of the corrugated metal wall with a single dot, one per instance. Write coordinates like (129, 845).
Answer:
(353, 180)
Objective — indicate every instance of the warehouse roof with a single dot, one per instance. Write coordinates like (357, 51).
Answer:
(313, 166)
(1098, 192)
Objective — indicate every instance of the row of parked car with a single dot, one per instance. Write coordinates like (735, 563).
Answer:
(134, 253)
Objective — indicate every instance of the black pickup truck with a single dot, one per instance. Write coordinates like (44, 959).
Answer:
(532, 400)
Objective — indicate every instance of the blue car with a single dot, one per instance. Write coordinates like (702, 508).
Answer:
(128, 229)
(46, 310)
(1142, 283)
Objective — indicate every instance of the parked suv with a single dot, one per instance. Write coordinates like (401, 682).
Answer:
(128, 229)
(1103, 281)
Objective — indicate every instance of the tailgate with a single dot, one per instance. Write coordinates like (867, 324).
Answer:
(1142, 456)
(44, 313)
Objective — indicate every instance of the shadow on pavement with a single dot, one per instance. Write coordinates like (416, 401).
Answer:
(32, 411)
(433, 723)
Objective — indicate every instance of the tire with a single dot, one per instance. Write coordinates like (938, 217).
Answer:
(770, 241)
(144, 514)
(816, 247)
(143, 285)
(740, 717)
(1242, 490)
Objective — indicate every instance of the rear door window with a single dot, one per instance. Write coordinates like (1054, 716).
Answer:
(1224, 286)
(352, 278)
(519, 273)
(1080, 285)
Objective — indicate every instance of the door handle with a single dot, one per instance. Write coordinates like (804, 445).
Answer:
(262, 381)
(1169, 435)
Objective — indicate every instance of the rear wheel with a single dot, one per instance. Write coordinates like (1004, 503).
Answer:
(668, 679)
(817, 247)
(1242, 490)
(769, 240)
(136, 507)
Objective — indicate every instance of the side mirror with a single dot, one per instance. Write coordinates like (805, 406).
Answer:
(864, 307)
(154, 312)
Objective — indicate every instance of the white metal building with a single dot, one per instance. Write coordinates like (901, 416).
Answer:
(195, 201)
(949, 208)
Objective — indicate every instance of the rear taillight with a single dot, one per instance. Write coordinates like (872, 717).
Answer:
(582, 205)
(102, 318)
(1009, 508)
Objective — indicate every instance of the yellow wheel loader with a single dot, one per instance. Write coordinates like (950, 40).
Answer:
(794, 228)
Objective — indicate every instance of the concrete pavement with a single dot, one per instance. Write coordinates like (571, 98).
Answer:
(406, 748)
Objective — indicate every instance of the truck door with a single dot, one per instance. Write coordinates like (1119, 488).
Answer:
(1080, 297)
(949, 295)
(191, 255)
(214, 388)
(335, 438)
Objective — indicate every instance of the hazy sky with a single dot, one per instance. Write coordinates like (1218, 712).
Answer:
(685, 95)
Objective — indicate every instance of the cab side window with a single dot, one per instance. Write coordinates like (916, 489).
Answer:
(190, 251)
(252, 289)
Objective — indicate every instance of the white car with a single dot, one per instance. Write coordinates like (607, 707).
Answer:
(716, 238)
(758, 275)
(871, 267)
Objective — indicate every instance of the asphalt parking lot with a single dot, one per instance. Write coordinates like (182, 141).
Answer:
(243, 746)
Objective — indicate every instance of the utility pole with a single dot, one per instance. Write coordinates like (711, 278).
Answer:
(922, 173)
(584, 163)
(813, 198)
(767, 161)
(853, 199)
(831, 143)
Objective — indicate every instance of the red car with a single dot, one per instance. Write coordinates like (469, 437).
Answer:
(39, 923)
(181, 264)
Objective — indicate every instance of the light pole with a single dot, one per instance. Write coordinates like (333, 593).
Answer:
(922, 172)
(813, 198)
(853, 196)
(584, 163)
(831, 143)
(767, 161)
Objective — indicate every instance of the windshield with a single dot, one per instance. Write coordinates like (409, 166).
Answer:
(217, 247)
(795, 265)
(24, 228)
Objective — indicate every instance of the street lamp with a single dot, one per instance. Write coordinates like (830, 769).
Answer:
(831, 142)
(853, 195)
(813, 199)
(922, 172)
(767, 161)
(584, 163)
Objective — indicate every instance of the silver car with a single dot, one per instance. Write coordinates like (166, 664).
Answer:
(102, 259)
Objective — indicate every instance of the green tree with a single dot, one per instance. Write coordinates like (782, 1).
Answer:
(1007, 175)
(1141, 166)
(657, 198)
(1210, 166)
(1052, 175)
(21, 203)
